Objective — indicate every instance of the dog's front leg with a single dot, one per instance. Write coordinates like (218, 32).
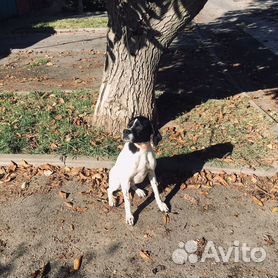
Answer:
(162, 206)
(128, 215)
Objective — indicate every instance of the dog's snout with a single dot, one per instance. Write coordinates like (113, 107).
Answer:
(126, 132)
(127, 135)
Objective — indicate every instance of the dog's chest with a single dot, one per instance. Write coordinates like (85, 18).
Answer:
(146, 162)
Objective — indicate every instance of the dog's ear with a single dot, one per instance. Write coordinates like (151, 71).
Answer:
(156, 136)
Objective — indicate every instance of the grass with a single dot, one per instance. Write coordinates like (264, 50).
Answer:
(40, 62)
(60, 122)
(55, 122)
(73, 23)
(220, 121)
(50, 23)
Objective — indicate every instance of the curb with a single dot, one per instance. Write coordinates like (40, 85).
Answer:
(88, 162)
(54, 31)
(56, 160)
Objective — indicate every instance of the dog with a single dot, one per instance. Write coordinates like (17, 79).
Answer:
(134, 163)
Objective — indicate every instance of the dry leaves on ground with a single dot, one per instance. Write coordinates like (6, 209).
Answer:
(16, 180)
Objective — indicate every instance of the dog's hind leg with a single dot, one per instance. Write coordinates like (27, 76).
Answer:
(114, 185)
(140, 193)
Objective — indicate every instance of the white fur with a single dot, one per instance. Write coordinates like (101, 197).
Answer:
(130, 169)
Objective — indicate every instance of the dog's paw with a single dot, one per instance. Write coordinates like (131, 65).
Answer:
(112, 202)
(140, 193)
(163, 207)
(129, 219)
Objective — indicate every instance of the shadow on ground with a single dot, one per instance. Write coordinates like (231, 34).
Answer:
(19, 33)
(217, 60)
(15, 34)
(178, 168)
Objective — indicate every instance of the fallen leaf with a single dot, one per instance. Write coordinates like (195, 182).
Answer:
(258, 201)
(275, 210)
(69, 204)
(53, 146)
(47, 173)
(147, 236)
(209, 176)
(269, 239)
(9, 177)
(201, 244)
(193, 186)
(25, 164)
(270, 146)
(24, 185)
(183, 186)
(191, 199)
(79, 209)
(158, 268)
(96, 176)
(76, 171)
(166, 218)
(61, 101)
(220, 180)
(56, 183)
(63, 194)
(46, 167)
(204, 193)
(77, 263)
(12, 167)
(58, 117)
(2, 173)
(145, 255)
(233, 177)
(254, 179)
(106, 209)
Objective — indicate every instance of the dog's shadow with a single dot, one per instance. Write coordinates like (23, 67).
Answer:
(178, 168)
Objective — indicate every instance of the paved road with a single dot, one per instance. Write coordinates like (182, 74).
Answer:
(258, 19)
(255, 18)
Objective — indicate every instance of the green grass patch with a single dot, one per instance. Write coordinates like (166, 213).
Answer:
(73, 23)
(231, 120)
(39, 62)
(55, 122)
(60, 122)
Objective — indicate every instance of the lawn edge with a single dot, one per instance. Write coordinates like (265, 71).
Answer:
(54, 31)
(89, 162)
(56, 160)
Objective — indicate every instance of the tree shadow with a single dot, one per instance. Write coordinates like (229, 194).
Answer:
(178, 168)
(20, 33)
(217, 60)
(17, 33)
(20, 251)
(133, 22)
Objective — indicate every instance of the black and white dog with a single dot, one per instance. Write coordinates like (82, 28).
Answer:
(134, 163)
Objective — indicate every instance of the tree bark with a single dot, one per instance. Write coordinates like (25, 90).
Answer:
(139, 32)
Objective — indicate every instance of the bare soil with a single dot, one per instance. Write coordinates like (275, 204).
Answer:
(41, 235)
(64, 70)
(42, 232)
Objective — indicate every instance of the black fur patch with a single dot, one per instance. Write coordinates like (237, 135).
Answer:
(132, 148)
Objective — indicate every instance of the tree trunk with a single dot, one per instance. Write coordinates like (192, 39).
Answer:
(139, 32)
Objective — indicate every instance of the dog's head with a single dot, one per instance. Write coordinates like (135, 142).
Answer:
(141, 130)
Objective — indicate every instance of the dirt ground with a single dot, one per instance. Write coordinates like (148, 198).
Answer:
(65, 70)
(41, 236)
(43, 233)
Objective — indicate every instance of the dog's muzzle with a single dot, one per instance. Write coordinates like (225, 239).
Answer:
(127, 135)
